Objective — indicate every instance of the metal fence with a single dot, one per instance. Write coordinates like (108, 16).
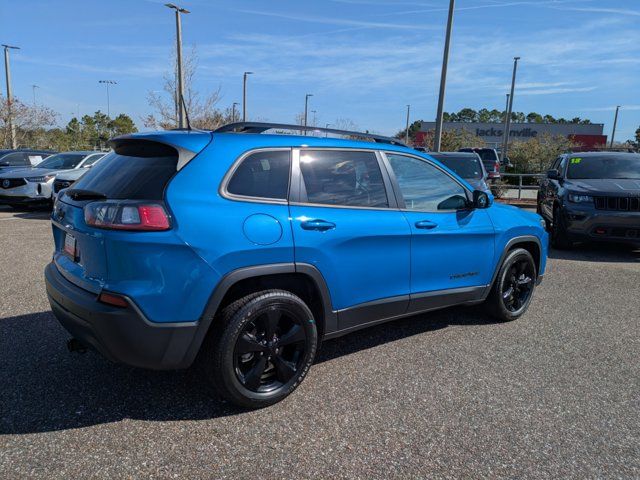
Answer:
(520, 176)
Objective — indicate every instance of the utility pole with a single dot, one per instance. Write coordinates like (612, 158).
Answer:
(506, 115)
(315, 119)
(182, 116)
(406, 131)
(233, 111)
(443, 79)
(7, 71)
(615, 123)
(244, 95)
(107, 83)
(505, 142)
(306, 106)
(326, 133)
(33, 87)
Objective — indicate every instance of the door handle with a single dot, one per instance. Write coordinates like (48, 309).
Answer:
(425, 224)
(317, 224)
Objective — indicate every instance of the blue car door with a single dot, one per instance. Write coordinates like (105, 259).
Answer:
(452, 245)
(346, 224)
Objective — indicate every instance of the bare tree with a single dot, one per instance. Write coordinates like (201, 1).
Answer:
(30, 122)
(202, 111)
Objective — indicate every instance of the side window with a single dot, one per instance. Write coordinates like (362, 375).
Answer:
(13, 159)
(425, 187)
(262, 175)
(562, 165)
(339, 177)
(556, 164)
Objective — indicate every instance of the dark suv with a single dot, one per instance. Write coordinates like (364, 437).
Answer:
(14, 159)
(592, 196)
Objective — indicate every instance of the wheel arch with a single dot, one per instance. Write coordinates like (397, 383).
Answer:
(303, 280)
(531, 243)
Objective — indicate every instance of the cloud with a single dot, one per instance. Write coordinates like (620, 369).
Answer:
(617, 11)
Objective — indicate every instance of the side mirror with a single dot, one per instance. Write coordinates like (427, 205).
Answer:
(553, 174)
(481, 199)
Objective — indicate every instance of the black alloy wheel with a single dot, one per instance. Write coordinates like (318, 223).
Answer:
(260, 348)
(271, 349)
(517, 284)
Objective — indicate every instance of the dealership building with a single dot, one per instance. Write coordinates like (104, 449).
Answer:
(590, 136)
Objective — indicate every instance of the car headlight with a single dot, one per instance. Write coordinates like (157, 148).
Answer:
(577, 198)
(43, 178)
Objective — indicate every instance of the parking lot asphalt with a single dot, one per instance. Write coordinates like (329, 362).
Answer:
(555, 394)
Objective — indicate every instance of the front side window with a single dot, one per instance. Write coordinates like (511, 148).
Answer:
(425, 187)
(345, 178)
(262, 175)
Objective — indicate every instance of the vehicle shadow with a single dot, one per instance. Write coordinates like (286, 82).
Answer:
(46, 388)
(598, 252)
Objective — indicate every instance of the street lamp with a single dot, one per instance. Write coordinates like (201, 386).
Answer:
(615, 123)
(326, 133)
(443, 79)
(182, 116)
(315, 120)
(505, 142)
(406, 132)
(7, 71)
(244, 95)
(107, 83)
(233, 111)
(33, 87)
(306, 106)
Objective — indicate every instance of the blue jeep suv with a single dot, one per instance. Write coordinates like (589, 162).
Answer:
(243, 250)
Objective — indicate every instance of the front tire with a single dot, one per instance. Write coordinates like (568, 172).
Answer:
(513, 287)
(261, 348)
(559, 235)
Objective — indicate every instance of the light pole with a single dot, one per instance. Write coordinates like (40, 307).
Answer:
(315, 120)
(615, 123)
(326, 133)
(7, 71)
(244, 95)
(107, 83)
(505, 142)
(506, 115)
(306, 106)
(33, 87)
(443, 79)
(182, 117)
(406, 131)
(233, 111)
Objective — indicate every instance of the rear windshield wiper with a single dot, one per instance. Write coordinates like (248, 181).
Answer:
(76, 194)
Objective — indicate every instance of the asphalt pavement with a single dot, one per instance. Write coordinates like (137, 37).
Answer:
(555, 394)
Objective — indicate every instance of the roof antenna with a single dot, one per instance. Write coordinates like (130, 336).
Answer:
(186, 112)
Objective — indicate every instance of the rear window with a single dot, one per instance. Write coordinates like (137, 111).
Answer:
(134, 171)
(465, 166)
(62, 161)
(12, 159)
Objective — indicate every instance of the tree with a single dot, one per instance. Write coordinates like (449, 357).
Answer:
(638, 137)
(202, 112)
(30, 122)
(536, 154)
(534, 117)
(453, 140)
(413, 129)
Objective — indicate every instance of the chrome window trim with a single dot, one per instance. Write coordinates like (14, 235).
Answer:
(427, 161)
(383, 173)
(224, 193)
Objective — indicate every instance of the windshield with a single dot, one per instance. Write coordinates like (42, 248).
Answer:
(606, 166)
(62, 161)
(467, 167)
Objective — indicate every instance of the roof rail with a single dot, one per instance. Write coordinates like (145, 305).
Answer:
(260, 127)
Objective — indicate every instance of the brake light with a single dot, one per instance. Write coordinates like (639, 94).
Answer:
(496, 167)
(125, 215)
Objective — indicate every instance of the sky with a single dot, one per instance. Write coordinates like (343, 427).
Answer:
(363, 60)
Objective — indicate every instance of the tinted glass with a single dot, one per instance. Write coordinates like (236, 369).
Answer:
(13, 159)
(487, 154)
(91, 159)
(62, 161)
(606, 166)
(262, 174)
(140, 173)
(468, 166)
(335, 177)
(425, 187)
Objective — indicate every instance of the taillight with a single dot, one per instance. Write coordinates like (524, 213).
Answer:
(496, 167)
(126, 215)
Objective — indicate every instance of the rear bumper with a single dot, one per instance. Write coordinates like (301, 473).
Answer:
(122, 335)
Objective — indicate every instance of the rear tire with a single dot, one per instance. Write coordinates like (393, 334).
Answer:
(513, 287)
(260, 348)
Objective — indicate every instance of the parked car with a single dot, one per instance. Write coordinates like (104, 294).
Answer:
(245, 250)
(592, 196)
(27, 186)
(466, 165)
(68, 177)
(490, 159)
(22, 158)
